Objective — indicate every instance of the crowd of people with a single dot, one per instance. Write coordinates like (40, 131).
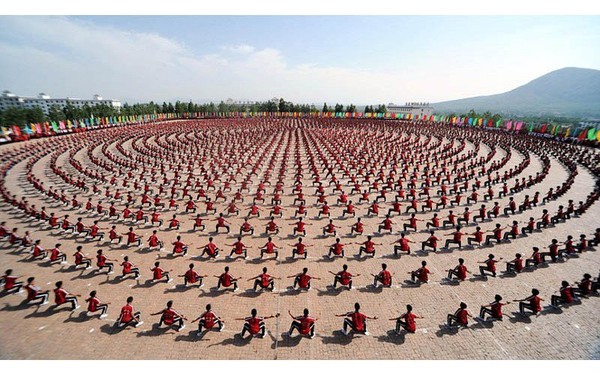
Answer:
(108, 188)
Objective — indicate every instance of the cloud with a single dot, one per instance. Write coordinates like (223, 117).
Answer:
(242, 48)
(70, 57)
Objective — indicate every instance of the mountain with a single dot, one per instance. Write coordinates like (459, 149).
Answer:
(567, 92)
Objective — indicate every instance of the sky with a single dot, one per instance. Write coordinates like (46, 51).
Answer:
(303, 59)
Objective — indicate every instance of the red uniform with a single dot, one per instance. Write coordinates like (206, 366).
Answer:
(345, 277)
(178, 246)
(101, 260)
(153, 241)
(212, 248)
(337, 248)
(126, 314)
(254, 324)
(209, 319)
(305, 323)
(191, 276)
(410, 322)
(130, 237)
(358, 321)
(225, 279)
(169, 316)
(157, 273)
(60, 296)
(423, 274)
(462, 316)
(303, 280)
(497, 310)
(264, 280)
(386, 277)
(93, 304)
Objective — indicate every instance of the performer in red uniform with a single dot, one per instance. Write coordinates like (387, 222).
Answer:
(460, 271)
(133, 238)
(35, 296)
(460, 317)
(355, 320)
(269, 248)
(210, 249)
(406, 321)
(515, 265)
(61, 296)
(490, 266)
(11, 285)
(302, 280)
(421, 275)
(343, 277)
(158, 273)
(565, 297)
(226, 280)
(532, 303)
(494, 309)
(368, 247)
(94, 305)
(264, 280)
(456, 238)
(179, 247)
(384, 277)
(238, 248)
(430, 242)
(129, 268)
(127, 315)
(170, 317)
(304, 323)
(80, 259)
(255, 325)
(207, 320)
(300, 249)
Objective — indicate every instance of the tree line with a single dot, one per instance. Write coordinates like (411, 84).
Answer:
(22, 116)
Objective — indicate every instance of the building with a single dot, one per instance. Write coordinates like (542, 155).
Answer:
(413, 108)
(45, 102)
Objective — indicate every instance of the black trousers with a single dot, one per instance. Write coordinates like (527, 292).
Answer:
(348, 323)
(72, 301)
(296, 325)
(178, 321)
(202, 324)
(262, 328)
(39, 299)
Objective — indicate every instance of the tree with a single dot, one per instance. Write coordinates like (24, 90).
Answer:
(55, 113)
(34, 115)
(325, 108)
(351, 108)
(381, 108)
(339, 108)
(13, 116)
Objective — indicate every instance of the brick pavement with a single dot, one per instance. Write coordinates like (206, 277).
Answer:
(568, 333)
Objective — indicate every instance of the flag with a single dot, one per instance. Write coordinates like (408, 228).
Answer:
(591, 134)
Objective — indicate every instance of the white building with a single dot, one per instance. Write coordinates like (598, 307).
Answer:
(413, 108)
(45, 102)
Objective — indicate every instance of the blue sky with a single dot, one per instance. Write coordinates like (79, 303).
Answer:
(307, 59)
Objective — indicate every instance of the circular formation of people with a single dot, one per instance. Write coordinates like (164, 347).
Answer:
(297, 209)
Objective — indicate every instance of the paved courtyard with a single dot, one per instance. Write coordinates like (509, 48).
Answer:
(29, 332)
